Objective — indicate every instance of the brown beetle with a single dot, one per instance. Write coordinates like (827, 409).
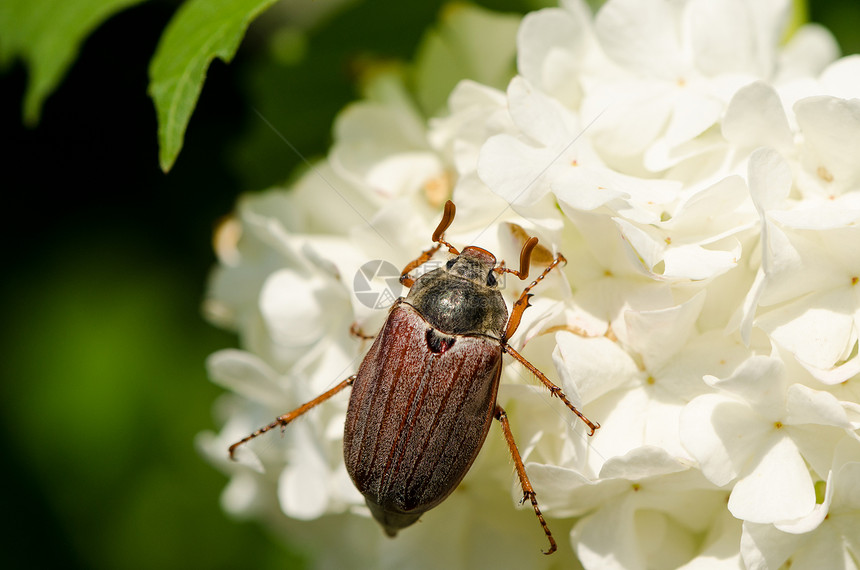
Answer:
(425, 393)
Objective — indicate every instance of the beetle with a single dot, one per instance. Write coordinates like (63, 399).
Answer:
(424, 396)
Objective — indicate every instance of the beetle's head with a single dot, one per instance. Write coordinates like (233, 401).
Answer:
(474, 264)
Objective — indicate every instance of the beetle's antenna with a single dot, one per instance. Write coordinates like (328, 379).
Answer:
(444, 224)
(447, 219)
(525, 260)
(438, 237)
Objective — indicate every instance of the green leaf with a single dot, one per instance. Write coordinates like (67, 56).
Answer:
(47, 35)
(199, 31)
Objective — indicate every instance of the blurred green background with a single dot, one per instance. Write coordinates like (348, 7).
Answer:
(103, 385)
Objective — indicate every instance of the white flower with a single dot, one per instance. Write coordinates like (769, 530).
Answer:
(680, 63)
(809, 276)
(760, 433)
(640, 513)
(701, 180)
(639, 396)
(828, 538)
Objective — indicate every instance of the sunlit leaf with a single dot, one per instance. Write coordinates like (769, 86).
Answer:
(200, 31)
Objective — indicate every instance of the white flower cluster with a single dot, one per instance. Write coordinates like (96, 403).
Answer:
(703, 181)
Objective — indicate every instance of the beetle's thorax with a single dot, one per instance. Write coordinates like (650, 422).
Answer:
(462, 297)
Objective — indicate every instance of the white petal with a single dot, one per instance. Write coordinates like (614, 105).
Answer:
(759, 381)
(303, 484)
(608, 539)
(584, 188)
(665, 542)
(719, 210)
(817, 445)
(817, 329)
(395, 129)
(246, 374)
(831, 130)
(699, 263)
(692, 114)
(769, 179)
(835, 215)
(811, 521)
(641, 463)
(242, 495)
(542, 34)
(828, 548)
(763, 547)
(750, 304)
(565, 492)
(787, 271)
(561, 78)
(641, 35)
(846, 492)
(593, 366)
(346, 203)
(770, 19)
(723, 36)
(290, 305)
(646, 243)
(720, 549)
(723, 435)
(809, 50)
(840, 79)
(634, 417)
(629, 116)
(755, 117)
(658, 334)
(514, 170)
(541, 118)
(712, 353)
(807, 406)
(779, 488)
(398, 174)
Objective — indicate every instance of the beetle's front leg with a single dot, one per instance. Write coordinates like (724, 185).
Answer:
(425, 256)
(523, 302)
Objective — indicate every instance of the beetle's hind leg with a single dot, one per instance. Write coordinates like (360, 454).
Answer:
(528, 491)
(285, 419)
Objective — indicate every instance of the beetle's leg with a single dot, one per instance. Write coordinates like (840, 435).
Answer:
(514, 322)
(523, 302)
(355, 330)
(555, 390)
(528, 491)
(438, 237)
(408, 281)
(285, 419)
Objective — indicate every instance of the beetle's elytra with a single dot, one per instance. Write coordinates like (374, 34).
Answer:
(425, 393)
